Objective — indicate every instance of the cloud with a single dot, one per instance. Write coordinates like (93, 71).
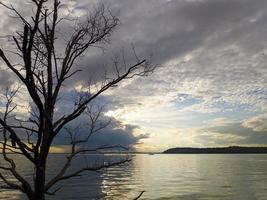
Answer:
(224, 132)
(116, 133)
(6, 80)
(258, 123)
(215, 47)
(213, 59)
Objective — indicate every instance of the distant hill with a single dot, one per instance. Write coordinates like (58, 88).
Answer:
(217, 150)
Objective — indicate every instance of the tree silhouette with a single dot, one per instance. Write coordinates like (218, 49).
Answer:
(43, 70)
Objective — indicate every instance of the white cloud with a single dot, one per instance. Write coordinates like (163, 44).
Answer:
(258, 123)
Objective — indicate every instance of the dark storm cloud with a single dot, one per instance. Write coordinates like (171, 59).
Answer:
(115, 133)
(117, 136)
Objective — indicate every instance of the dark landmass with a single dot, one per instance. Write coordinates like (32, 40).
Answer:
(217, 150)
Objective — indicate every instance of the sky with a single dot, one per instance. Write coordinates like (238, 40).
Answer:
(210, 88)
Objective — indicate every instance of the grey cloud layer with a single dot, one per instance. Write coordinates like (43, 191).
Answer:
(171, 29)
(232, 133)
(225, 40)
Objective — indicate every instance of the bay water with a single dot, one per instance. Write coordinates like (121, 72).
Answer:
(161, 176)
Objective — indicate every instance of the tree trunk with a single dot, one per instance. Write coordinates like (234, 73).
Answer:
(40, 174)
(39, 184)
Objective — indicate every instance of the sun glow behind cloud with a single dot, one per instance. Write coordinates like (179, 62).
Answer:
(185, 98)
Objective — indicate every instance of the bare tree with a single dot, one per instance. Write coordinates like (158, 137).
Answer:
(42, 70)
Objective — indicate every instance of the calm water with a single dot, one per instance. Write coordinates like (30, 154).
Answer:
(184, 177)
